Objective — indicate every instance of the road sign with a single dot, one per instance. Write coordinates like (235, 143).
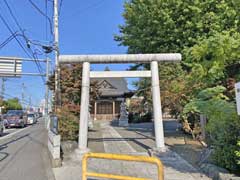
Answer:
(10, 67)
(237, 90)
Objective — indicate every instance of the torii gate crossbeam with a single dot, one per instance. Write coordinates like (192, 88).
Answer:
(153, 59)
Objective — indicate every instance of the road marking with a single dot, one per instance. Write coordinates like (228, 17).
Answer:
(16, 132)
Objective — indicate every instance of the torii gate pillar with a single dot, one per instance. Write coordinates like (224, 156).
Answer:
(157, 108)
(129, 58)
(84, 109)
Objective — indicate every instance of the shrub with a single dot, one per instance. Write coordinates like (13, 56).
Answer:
(137, 118)
(238, 153)
(223, 125)
(224, 132)
(68, 125)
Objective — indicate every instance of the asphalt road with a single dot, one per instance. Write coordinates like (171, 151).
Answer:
(23, 154)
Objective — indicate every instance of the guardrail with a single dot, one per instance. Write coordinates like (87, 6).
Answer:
(151, 160)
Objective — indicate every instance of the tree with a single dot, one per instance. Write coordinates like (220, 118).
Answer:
(212, 66)
(215, 59)
(171, 25)
(71, 83)
(223, 124)
(156, 26)
(70, 90)
(207, 35)
(13, 104)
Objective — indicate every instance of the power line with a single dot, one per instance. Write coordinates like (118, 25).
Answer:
(60, 7)
(16, 33)
(24, 102)
(10, 30)
(21, 29)
(43, 14)
(20, 44)
(46, 10)
(14, 18)
(11, 37)
(23, 35)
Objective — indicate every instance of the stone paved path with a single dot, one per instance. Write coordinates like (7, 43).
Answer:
(124, 141)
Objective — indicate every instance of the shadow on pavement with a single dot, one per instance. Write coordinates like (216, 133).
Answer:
(142, 135)
(5, 145)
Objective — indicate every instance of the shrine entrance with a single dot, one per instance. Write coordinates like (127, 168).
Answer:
(153, 73)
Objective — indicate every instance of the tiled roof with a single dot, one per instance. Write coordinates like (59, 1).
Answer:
(112, 86)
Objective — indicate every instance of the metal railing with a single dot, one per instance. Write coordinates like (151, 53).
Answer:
(144, 159)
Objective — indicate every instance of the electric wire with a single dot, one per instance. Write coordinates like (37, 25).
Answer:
(22, 30)
(60, 8)
(13, 16)
(22, 101)
(18, 41)
(43, 14)
(10, 30)
(26, 39)
(9, 39)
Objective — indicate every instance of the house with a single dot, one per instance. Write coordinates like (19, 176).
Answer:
(113, 91)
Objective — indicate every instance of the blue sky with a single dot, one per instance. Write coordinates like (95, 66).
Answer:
(85, 27)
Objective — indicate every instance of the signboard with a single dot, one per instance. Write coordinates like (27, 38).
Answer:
(54, 124)
(10, 67)
(237, 90)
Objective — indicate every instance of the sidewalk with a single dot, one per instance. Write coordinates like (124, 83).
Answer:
(112, 139)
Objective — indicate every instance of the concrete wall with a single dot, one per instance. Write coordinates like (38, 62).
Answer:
(54, 143)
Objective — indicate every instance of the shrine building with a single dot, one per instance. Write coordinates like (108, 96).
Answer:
(113, 91)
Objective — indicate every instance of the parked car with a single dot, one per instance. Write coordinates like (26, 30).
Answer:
(31, 118)
(15, 118)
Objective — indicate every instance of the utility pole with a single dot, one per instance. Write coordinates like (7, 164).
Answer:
(30, 102)
(57, 69)
(3, 87)
(46, 86)
(23, 88)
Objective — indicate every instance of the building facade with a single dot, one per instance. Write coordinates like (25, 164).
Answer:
(113, 91)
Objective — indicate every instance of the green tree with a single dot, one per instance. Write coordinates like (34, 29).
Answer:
(171, 25)
(207, 35)
(223, 124)
(215, 59)
(156, 26)
(13, 104)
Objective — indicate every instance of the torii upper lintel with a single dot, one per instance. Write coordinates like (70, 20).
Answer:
(120, 58)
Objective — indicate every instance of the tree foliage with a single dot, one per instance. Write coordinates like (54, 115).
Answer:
(12, 104)
(207, 35)
(156, 26)
(237, 152)
(71, 83)
(171, 25)
(223, 124)
(215, 59)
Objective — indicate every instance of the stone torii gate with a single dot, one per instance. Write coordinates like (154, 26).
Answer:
(153, 59)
